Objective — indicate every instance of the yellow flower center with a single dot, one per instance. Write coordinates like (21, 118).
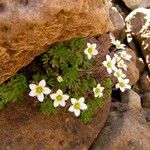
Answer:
(118, 74)
(39, 90)
(109, 64)
(59, 98)
(90, 50)
(122, 84)
(77, 106)
(97, 90)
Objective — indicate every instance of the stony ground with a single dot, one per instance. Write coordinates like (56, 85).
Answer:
(23, 127)
(128, 124)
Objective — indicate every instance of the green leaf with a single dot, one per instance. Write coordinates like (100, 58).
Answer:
(13, 90)
(47, 107)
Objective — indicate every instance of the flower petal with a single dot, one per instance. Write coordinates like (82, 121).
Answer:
(88, 45)
(32, 86)
(104, 63)
(83, 106)
(32, 93)
(81, 100)
(59, 92)
(62, 103)
(108, 58)
(109, 70)
(77, 112)
(53, 96)
(73, 100)
(126, 81)
(128, 86)
(46, 91)
(42, 83)
(40, 97)
(65, 97)
(56, 103)
(89, 56)
(71, 108)
(122, 89)
(100, 95)
(95, 52)
(93, 45)
(86, 51)
(117, 85)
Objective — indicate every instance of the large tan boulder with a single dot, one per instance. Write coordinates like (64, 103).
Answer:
(28, 27)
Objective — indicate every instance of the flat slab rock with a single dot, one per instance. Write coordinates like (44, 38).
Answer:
(28, 27)
(22, 127)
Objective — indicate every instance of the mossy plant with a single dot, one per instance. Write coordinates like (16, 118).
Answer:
(47, 107)
(13, 90)
(69, 61)
(67, 75)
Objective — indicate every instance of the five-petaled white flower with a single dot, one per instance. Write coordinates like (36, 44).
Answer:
(123, 84)
(109, 64)
(59, 98)
(121, 64)
(77, 106)
(118, 44)
(117, 57)
(115, 42)
(98, 91)
(39, 90)
(91, 50)
(60, 79)
(125, 56)
(119, 74)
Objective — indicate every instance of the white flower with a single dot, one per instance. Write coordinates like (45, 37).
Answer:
(60, 79)
(118, 44)
(98, 91)
(59, 98)
(117, 57)
(119, 74)
(90, 50)
(125, 56)
(77, 106)
(123, 84)
(109, 64)
(115, 42)
(39, 90)
(121, 64)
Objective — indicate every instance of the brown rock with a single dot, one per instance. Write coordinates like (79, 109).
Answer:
(132, 72)
(133, 4)
(27, 28)
(144, 83)
(147, 114)
(23, 127)
(132, 99)
(146, 100)
(140, 65)
(138, 26)
(118, 23)
(125, 129)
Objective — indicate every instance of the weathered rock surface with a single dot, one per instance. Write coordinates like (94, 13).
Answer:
(132, 99)
(22, 127)
(126, 129)
(147, 114)
(103, 46)
(144, 83)
(28, 27)
(146, 100)
(132, 72)
(118, 23)
(138, 26)
(133, 4)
